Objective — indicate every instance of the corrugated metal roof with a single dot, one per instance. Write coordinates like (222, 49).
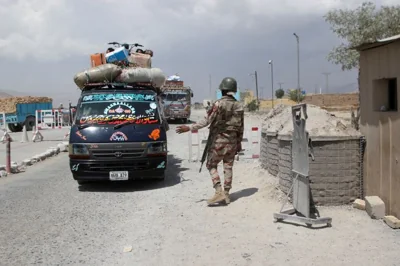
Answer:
(371, 45)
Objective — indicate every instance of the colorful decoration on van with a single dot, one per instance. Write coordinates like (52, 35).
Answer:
(119, 108)
(118, 97)
(155, 134)
(118, 136)
(161, 165)
(81, 135)
(118, 119)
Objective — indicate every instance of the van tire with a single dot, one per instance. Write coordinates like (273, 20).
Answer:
(15, 127)
(82, 182)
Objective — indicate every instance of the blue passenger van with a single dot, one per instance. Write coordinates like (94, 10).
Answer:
(118, 133)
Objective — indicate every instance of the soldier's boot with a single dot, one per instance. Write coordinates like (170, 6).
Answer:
(218, 196)
(227, 198)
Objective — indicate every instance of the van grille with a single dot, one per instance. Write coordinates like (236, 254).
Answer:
(118, 153)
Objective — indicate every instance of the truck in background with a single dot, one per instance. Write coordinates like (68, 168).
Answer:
(17, 111)
(177, 100)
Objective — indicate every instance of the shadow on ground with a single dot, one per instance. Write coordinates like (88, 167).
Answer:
(244, 193)
(173, 177)
(235, 196)
(180, 122)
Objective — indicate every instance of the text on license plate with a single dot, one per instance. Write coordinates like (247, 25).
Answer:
(119, 175)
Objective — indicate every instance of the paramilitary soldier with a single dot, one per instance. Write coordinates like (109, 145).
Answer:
(226, 120)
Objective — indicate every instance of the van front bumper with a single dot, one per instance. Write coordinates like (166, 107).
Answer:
(99, 170)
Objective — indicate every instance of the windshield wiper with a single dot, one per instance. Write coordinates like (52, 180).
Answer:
(123, 124)
(84, 126)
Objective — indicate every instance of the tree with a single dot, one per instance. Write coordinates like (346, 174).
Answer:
(279, 93)
(253, 106)
(295, 95)
(361, 25)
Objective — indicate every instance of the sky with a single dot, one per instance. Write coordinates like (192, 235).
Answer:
(44, 43)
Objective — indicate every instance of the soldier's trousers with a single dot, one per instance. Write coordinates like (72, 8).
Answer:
(224, 151)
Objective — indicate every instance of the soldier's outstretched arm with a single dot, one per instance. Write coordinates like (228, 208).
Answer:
(208, 119)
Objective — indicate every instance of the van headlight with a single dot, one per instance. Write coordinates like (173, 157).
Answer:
(78, 151)
(157, 149)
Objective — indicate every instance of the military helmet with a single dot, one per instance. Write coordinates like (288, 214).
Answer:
(228, 84)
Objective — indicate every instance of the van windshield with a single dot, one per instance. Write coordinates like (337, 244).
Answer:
(177, 97)
(117, 108)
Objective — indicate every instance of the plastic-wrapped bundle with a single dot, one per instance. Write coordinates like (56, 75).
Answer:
(133, 75)
(102, 73)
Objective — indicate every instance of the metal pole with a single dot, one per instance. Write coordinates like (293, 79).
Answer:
(280, 85)
(8, 154)
(255, 74)
(298, 67)
(327, 80)
(272, 81)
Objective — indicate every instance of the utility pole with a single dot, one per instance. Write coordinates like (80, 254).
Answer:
(298, 66)
(258, 102)
(256, 77)
(271, 63)
(280, 85)
(327, 80)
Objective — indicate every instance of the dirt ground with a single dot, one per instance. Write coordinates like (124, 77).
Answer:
(247, 229)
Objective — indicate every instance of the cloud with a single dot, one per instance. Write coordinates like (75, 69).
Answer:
(43, 43)
(57, 29)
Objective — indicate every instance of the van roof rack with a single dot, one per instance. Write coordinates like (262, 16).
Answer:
(116, 85)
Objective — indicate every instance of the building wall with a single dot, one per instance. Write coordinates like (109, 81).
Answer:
(381, 129)
(333, 102)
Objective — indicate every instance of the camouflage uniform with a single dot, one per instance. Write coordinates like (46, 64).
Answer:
(226, 120)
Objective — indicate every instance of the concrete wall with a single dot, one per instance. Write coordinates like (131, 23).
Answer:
(335, 174)
(330, 102)
(381, 129)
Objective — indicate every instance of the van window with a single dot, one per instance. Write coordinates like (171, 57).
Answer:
(118, 108)
(185, 96)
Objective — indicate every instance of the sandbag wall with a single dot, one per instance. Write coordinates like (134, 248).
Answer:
(335, 175)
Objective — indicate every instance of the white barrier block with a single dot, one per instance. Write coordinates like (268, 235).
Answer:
(255, 140)
(195, 134)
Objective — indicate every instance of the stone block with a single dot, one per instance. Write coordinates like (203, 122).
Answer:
(392, 221)
(359, 204)
(27, 162)
(375, 207)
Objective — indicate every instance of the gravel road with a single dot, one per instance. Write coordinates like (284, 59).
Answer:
(47, 219)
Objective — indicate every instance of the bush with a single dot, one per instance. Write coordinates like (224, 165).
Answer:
(252, 106)
(294, 94)
(279, 93)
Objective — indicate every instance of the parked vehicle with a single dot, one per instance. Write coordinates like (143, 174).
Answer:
(118, 133)
(177, 100)
(19, 114)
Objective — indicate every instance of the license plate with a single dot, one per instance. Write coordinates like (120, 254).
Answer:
(119, 175)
